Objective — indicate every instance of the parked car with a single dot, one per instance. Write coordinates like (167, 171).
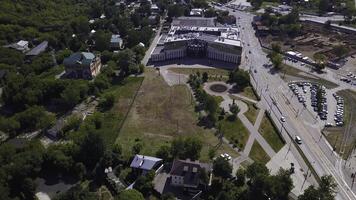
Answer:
(298, 140)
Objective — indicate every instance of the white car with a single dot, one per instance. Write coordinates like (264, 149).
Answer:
(283, 119)
(298, 140)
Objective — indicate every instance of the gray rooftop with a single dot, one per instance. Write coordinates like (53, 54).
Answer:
(79, 59)
(145, 162)
(193, 21)
(38, 49)
(115, 39)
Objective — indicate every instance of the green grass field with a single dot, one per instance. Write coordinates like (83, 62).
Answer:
(270, 133)
(258, 154)
(215, 74)
(235, 132)
(252, 112)
(159, 114)
(112, 119)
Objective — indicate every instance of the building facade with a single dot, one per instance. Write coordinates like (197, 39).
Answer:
(213, 42)
(82, 65)
(186, 173)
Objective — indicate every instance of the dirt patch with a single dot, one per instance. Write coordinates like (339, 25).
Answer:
(314, 39)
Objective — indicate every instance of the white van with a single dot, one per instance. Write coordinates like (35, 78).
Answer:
(298, 140)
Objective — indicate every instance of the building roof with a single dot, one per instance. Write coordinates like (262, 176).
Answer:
(38, 49)
(193, 21)
(79, 59)
(196, 12)
(189, 170)
(145, 162)
(21, 45)
(115, 38)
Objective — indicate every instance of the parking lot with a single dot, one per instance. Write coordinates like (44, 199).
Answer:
(328, 107)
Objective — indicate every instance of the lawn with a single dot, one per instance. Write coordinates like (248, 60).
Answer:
(247, 92)
(258, 154)
(215, 74)
(235, 132)
(271, 134)
(113, 118)
(291, 71)
(252, 112)
(161, 113)
(335, 135)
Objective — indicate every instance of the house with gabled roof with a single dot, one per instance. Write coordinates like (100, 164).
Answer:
(83, 65)
(144, 164)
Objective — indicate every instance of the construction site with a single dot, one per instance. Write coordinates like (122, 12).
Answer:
(316, 41)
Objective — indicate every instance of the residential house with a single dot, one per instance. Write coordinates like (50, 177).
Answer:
(83, 65)
(153, 19)
(154, 9)
(186, 173)
(21, 45)
(197, 12)
(116, 42)
(38, 49)
(143, 164)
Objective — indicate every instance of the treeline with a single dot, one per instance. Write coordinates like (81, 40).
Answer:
(283, 24)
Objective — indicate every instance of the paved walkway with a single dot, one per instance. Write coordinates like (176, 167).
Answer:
(249, 126)
(259, 118)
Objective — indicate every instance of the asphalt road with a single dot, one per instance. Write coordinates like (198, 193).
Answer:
(274, 92)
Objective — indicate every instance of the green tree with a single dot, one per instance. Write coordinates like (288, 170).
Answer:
(107, 101)
(205, 77)
(240, 78)
(240, 177)
(256, 4)
(164, 153)
(222, 168)
(276, 47)
(144, 183)
(326, 190)
(130, 195)
(175, 10)
(28, 188)
(276, 59)
(34, 118)
(189, 147)
(280, 185)
(256, 169)
(94, 144)
(102, 40)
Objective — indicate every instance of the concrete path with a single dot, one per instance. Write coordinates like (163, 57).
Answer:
(243, 108)
(245, 98)
(254, 133)
(259, 118)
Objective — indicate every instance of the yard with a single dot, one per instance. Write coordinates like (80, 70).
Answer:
(235, 132)
(161, 113)
(113, 118)
(258, 154)
(271, 134)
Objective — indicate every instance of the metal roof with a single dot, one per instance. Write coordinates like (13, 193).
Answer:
(144, 162)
